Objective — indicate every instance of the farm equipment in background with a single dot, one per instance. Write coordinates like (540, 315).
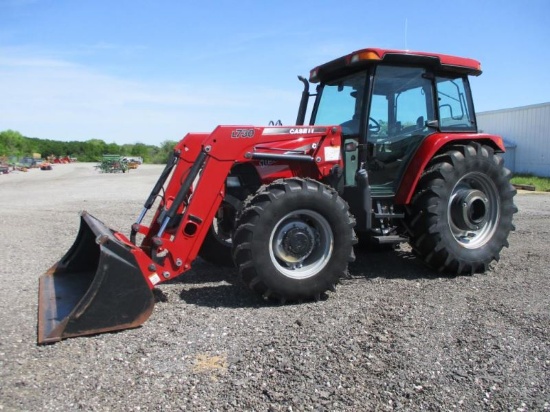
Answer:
(391, 154)
(59, 159)
(132, 165)
(27, 162)
(133, 161)
(112, 164)
(45, 166)
(4, 165)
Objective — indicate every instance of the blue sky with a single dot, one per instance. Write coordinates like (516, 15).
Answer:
(130, 71)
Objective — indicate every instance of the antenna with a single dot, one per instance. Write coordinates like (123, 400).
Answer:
(406, 30)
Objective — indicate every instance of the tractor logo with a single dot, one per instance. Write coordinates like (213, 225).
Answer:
(302, 130)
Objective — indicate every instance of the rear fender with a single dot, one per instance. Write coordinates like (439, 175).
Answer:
(431, 146)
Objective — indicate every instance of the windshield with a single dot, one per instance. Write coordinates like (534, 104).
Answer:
(340, 103)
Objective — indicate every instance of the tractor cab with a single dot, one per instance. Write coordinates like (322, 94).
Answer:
(387, 103)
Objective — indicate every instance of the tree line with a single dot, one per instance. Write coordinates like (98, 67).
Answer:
(14, 144)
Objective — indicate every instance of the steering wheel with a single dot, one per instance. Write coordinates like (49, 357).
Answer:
(352, 126)
(374, 126)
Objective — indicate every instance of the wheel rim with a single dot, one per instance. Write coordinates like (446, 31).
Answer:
(301, 244)
(474, 210)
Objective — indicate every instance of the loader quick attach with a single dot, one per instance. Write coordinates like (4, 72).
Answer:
(391, 154)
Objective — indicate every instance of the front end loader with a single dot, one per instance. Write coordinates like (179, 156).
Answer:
(391, 154)
(105, 281)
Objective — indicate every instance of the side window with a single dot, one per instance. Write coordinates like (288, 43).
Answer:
(411, 111)
(455, 109)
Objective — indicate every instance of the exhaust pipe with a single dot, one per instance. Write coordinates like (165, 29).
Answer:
(96, 287)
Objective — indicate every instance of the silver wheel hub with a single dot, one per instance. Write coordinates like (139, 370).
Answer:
(295, 241)
(474, 210)
(301, 244)
(469, 209)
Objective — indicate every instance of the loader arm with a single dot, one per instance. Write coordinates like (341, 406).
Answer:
(197, 186)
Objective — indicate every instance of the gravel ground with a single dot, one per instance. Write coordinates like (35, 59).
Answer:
(396, 336)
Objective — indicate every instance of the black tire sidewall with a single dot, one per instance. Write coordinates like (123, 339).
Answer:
(216, 251)
(321, 202)
(449, 252)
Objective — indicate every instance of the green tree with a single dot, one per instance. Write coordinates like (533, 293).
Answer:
(163, 152)
(140, 150)
(13, 143)
(113, 148)
(95, 149)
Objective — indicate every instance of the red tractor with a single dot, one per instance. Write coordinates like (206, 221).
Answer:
(391, 154)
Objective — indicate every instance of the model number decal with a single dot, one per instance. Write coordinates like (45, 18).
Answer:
(242, 133)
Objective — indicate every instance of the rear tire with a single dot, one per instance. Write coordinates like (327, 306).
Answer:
(294, 240)
(461, 214)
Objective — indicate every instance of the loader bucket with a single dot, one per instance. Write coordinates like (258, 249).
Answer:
(96, 287)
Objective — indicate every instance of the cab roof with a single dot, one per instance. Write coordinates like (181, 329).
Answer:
(371, 56)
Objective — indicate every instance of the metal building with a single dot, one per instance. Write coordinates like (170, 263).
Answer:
(526, 134)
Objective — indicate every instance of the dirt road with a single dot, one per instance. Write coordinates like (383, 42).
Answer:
(396, 336)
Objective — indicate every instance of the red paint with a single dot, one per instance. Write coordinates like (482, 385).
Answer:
(428, 149)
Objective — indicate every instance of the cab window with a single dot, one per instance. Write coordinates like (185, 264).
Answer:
(454, 104)
(401, 105)
(340, 103)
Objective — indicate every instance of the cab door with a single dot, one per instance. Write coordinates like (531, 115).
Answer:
(401, 104)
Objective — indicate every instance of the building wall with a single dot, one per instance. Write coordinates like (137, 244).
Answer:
(528, 129)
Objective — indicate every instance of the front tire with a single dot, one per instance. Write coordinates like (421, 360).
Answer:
(216, 247)
(294, 240)
(461, 214)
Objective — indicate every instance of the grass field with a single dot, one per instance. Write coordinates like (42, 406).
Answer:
(542, 184)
